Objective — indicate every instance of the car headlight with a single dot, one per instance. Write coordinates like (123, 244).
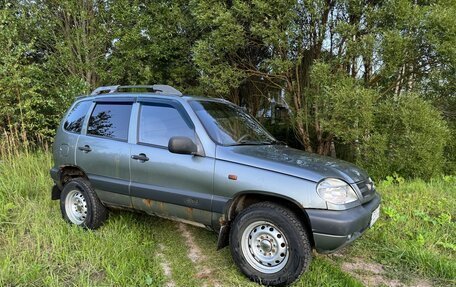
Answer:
(336, 191)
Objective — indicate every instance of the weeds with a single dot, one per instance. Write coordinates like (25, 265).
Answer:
(416, 236)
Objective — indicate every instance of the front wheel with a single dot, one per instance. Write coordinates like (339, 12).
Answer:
(269, 244)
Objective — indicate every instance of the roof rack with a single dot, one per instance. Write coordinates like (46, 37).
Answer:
(159, 89)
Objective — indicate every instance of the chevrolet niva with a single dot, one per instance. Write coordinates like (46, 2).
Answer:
(206, 162)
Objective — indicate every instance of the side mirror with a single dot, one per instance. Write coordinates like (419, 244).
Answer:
(182, 145)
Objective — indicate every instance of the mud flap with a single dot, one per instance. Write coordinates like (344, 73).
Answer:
(55, 193)
(223, 237)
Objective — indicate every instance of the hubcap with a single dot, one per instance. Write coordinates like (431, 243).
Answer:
(76, 207)
(265, 247)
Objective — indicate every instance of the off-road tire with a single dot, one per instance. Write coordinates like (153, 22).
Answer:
(299, 247)
(96, 211)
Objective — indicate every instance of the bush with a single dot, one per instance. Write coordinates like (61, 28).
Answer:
(409, 138)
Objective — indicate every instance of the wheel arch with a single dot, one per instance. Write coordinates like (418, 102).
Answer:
(68, 172)
(244, 199)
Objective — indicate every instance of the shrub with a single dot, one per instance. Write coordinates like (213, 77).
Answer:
(409, 138)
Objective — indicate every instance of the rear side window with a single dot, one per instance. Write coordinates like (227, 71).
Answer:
(75, 118)
(158, 123)
(110, 120)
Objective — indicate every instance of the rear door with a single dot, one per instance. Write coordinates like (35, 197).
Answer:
(166, 184)
(68, 134)
(103, 152)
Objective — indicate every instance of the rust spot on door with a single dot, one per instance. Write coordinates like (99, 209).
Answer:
(189, 213)
(148, 202)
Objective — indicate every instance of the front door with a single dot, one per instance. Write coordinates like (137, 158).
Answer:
(166, 184)
(104, 153)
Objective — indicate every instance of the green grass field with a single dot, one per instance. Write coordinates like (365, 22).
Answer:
(412, 244)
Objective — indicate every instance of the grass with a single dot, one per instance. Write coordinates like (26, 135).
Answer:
(415, 237)
(417, 234)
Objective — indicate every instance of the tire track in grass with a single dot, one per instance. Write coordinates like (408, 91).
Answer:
(371, 274)
(198, 258)
(178, 270)
(374, 274)
(165, 266)
(224, 272)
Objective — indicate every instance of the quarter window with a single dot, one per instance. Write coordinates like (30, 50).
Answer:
(110, 120)
(75, 118)
(158, 123)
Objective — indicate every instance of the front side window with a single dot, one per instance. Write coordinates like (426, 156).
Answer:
(228, 124)
(158, 123)
(110, 120)
(75, 118)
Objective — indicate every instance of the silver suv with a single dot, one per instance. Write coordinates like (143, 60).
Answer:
(206, 162)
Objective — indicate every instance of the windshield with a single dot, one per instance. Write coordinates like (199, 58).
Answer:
(228, 124)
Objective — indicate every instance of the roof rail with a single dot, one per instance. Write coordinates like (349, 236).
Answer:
(104, 90)
(159, 89)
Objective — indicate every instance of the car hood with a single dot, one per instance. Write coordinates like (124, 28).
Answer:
(286, 160)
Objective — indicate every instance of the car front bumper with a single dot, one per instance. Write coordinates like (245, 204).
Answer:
(333, 229)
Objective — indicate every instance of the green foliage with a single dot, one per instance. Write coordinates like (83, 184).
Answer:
(343, 108)
(31, 98)
(21, 103)
(225, 37)
(415, 234)
(409, 138)
(64, 49)
(154, 38)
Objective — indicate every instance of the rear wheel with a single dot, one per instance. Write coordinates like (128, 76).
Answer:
(80, 205)
(269, 244)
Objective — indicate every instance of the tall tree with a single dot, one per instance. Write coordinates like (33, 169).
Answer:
(293, 35)
(387, 47)
(151, 44)
(76, 35)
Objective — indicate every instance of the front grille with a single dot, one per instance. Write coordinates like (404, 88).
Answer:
(366, 187)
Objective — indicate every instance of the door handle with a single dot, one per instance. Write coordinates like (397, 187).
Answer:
(141, 157)
(85, 148)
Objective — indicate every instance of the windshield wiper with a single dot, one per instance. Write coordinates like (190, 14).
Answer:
(280, 143)
(273, 142)
(247, 143)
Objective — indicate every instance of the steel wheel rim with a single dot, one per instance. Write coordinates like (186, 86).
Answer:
(265, 247)
(76, 207)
